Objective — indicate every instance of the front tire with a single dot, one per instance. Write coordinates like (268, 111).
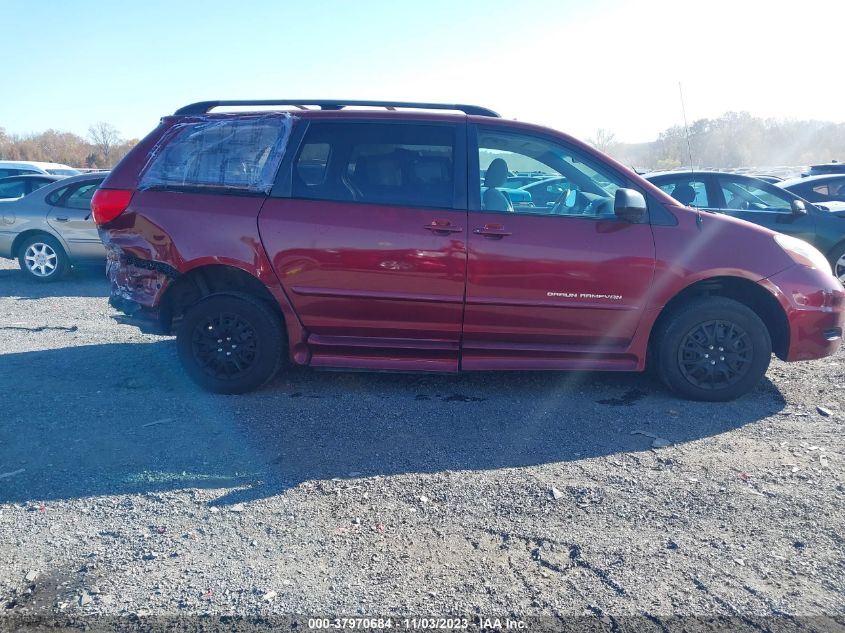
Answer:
(713, 349)
(43, 259)
(231, 343)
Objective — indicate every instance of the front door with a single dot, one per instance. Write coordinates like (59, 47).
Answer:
(559, 284)
(371, 244)
(764, 204)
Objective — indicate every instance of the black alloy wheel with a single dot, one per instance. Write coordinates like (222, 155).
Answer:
(711, 348)
(715, 354)
(231, 343)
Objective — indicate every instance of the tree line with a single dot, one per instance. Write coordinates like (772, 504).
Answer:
(735, 139)
(102, 148)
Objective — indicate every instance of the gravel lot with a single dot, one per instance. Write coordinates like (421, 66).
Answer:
(126, 490)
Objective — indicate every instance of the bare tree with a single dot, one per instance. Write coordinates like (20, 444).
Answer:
(603, 141)
(105, 138)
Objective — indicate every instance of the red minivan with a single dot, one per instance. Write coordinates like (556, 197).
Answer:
(384, 236)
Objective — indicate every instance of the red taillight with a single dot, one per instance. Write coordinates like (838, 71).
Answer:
(107, 204)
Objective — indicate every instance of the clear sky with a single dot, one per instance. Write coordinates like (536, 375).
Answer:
(575, 66)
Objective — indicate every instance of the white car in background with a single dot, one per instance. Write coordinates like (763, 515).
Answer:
(20, 167)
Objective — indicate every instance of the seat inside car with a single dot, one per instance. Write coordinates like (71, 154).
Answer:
(496, 176)
(684, 193)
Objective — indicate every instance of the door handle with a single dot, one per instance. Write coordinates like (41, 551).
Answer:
(61, 219)
(493, 232)
(444, 228)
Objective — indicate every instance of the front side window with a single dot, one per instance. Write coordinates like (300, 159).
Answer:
(744, 195)
(688, 191)
(377, 163)
(567, 182)
(233, 152)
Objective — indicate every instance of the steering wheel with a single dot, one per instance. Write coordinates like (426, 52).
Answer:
(741, 205)
(560, 203)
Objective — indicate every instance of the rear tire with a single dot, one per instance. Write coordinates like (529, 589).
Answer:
(231, 343)
(713, 349)
(42, 258)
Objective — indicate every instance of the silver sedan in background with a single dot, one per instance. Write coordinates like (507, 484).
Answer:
(50, 230)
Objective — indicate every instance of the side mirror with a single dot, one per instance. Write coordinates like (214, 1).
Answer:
(798, 207)
(629, 205)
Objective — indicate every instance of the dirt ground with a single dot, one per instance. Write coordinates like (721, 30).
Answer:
(126, 491)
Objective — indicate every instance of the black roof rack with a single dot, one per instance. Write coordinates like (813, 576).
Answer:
(202, 107)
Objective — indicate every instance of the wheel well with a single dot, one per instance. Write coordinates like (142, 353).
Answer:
(207, 280)
(23, 237)
(746, 292)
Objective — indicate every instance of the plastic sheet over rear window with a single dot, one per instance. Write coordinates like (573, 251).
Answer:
(238, 152)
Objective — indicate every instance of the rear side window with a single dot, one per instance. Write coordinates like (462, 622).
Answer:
(14, 189)
(379, 163)
(74, 196)
(80, 198)
(232, 152)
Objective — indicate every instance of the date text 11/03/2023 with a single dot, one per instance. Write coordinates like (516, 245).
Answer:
(418, 624)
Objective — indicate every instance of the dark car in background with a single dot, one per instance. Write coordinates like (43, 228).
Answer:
(762, 203)
(818, 189)
(833, 167)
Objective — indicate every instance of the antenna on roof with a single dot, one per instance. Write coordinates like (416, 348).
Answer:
(698, 221)
(686, 127)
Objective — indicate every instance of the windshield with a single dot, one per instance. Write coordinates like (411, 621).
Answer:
(64, 172)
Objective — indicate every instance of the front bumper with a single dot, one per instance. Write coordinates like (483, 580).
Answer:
(814, 303)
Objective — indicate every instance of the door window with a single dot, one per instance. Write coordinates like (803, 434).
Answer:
(746, 195)
(12, 189)
(687, 191)
(377, 163)
(9, 171)
(76, 196)
(57, 195)
(80, 198)
(836, 188)
(570, 184)
(37, 184)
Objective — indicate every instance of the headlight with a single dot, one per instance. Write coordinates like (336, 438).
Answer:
(802, 253)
